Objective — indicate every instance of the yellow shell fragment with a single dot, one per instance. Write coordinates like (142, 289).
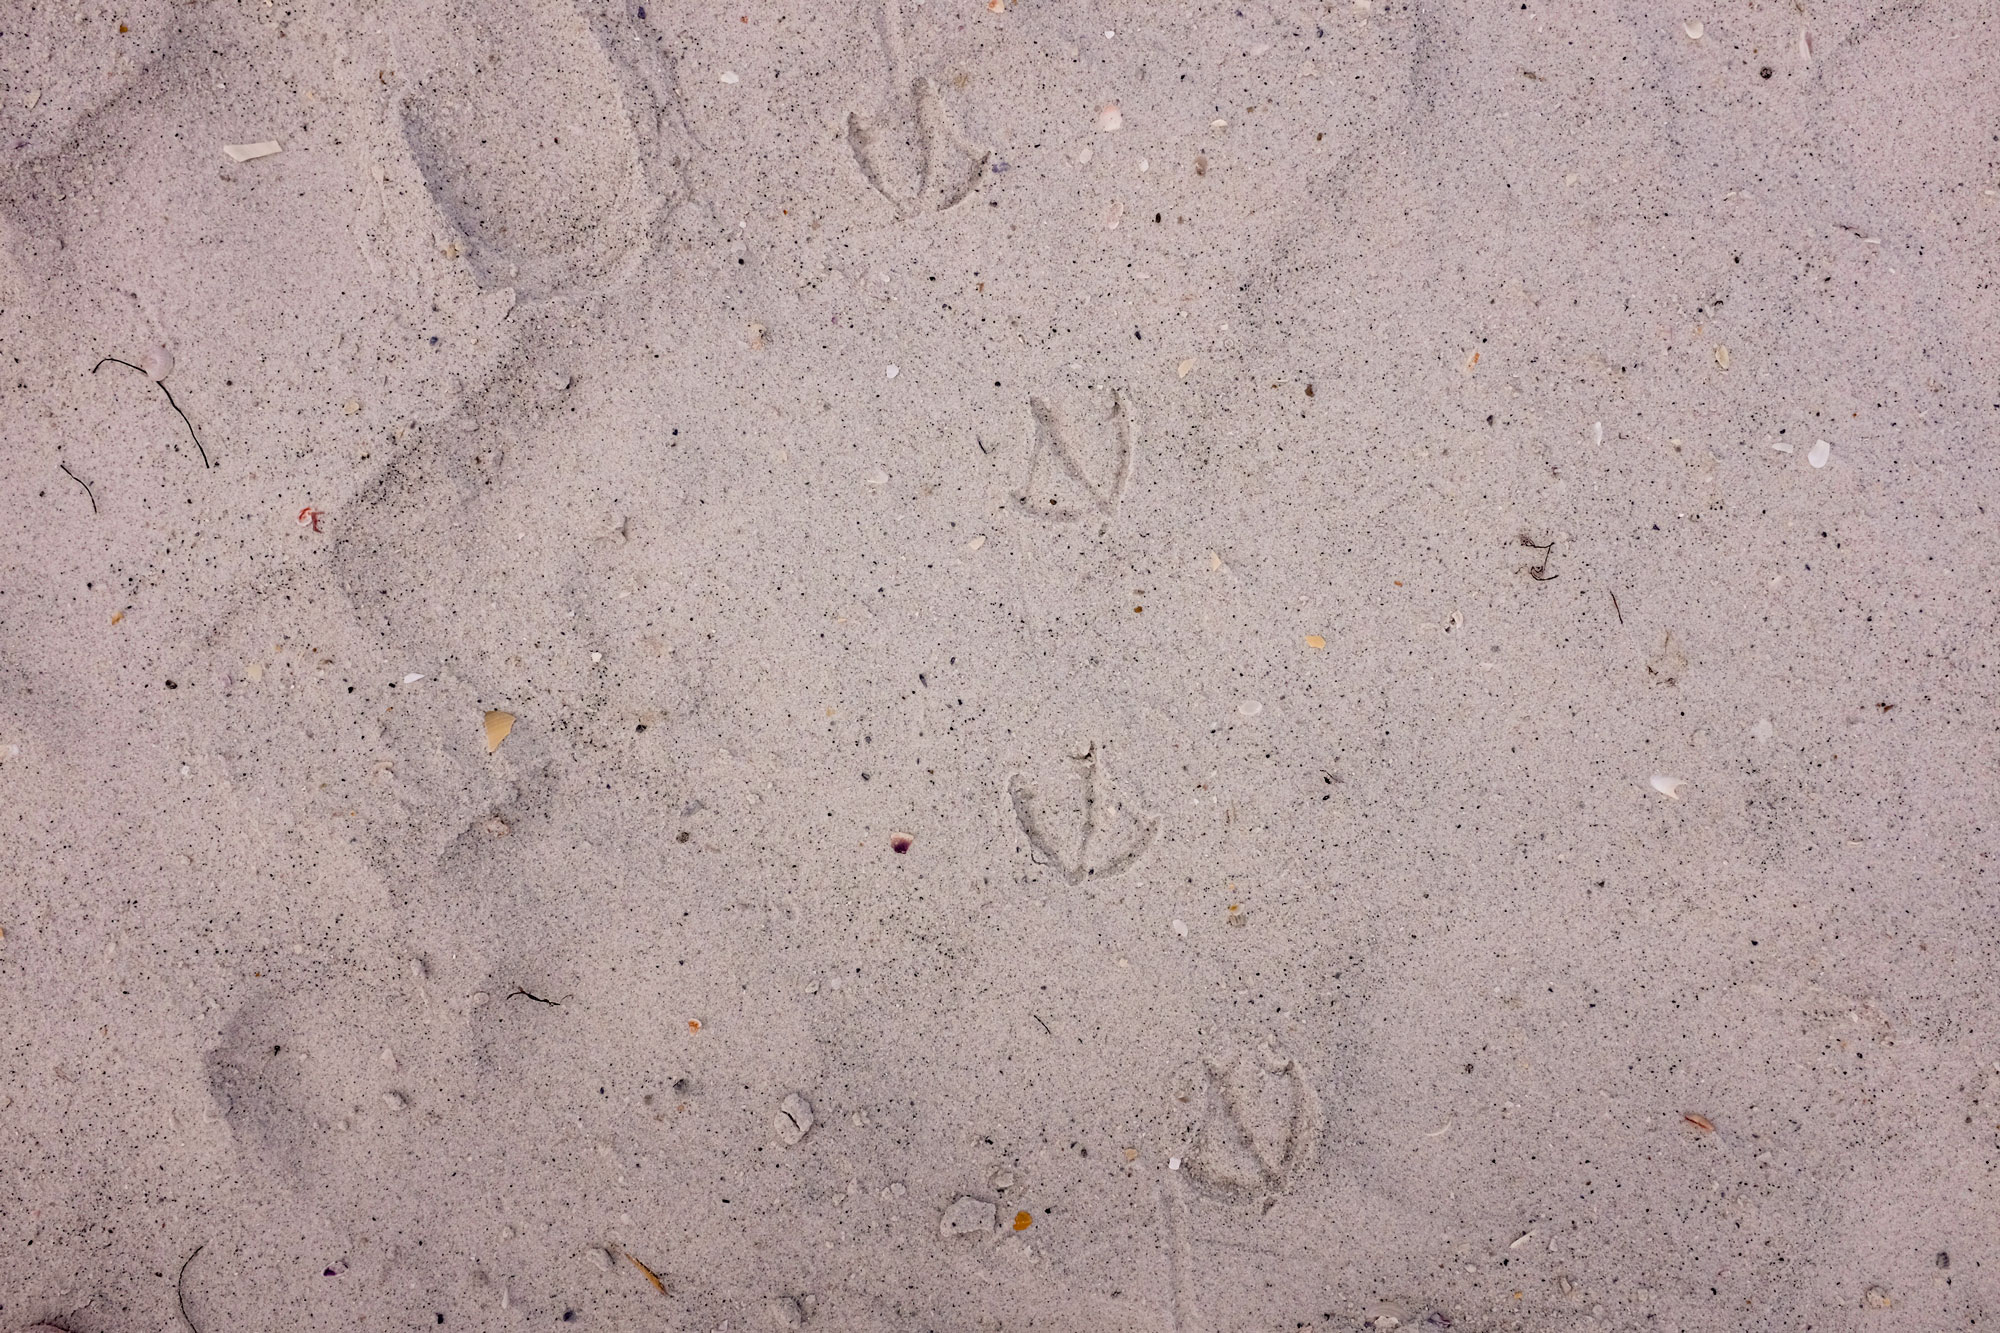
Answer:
(498, 724)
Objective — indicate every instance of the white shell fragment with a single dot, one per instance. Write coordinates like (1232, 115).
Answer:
(1805, 46)
(793, 1120)
(1820, 453)
(1110, 118)
(1600, 432)
(158, 363)
(1692, 27)
(967, 1217)
(245, 152)
(1668, 787)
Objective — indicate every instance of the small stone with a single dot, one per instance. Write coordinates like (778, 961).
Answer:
(793, 1120)
(599, 1256)
(394, 1101)
(1875, 1298)
(968, 1217)
(785, 1313)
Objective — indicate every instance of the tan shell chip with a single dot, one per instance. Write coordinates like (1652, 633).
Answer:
(244, 152)
(498, 724)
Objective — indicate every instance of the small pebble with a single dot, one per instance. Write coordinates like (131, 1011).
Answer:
(794, 1119)
(967, 1217)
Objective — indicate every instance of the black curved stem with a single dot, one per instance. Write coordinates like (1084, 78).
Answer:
(170, 403)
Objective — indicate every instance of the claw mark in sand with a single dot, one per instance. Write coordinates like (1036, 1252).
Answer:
(1055, 440)
(1268, 1130)
(1112, 837)
(948, 167)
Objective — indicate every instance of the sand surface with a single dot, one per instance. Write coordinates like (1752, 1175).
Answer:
(1274, 666)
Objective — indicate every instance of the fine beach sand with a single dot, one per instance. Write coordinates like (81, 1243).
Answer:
(1275, 666)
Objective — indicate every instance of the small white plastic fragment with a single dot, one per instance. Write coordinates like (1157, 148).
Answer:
(878, 478)
(158, 363)
(1805, 46)
(1692, 27)
(1600, 432)
(1110, 118)
(413, 678)
(974, 544)
(1112, 213)
(1250, 708)
(729, 76)
(892, 372)
(1761, 729)
(1820, 453)
(1668, 787)
(1173, 1164)
(245, 152)
(1783, 446)
(1180, 927)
